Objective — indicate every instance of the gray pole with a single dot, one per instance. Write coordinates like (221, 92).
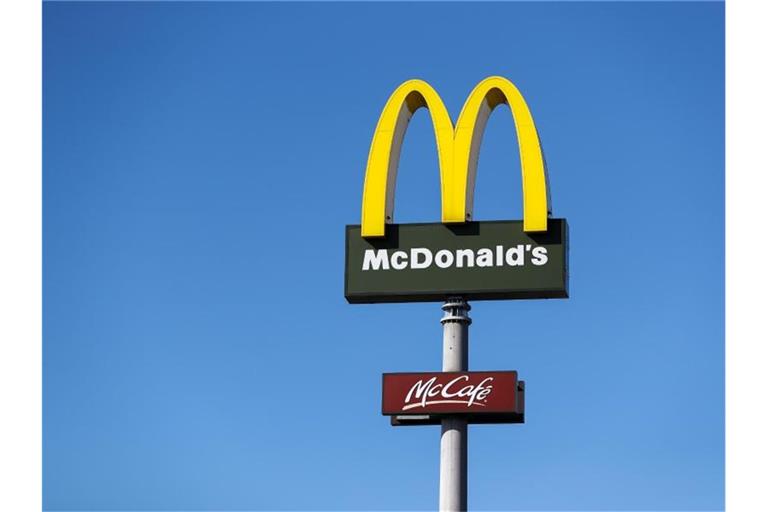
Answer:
(453, 438)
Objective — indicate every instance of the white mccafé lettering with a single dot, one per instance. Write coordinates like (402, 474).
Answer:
(425, 393)
(420, 258)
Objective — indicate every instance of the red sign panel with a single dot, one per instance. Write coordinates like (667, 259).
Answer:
(450, 393)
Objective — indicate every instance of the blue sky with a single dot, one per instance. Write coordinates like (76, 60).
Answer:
(200, 163)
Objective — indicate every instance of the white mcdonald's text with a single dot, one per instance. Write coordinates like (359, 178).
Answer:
(421, 258)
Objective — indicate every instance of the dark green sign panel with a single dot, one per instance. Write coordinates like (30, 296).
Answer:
(475, 260)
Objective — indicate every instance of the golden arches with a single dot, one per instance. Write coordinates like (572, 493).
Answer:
(457, 153)
(384, 155)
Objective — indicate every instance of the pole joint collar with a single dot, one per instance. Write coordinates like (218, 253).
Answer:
(456, 310)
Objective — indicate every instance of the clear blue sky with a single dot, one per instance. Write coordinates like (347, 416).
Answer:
(200, 163)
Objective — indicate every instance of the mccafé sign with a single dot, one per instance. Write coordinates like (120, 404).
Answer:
(493, 396)
(508, 259)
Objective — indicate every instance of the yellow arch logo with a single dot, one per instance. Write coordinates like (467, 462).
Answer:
(457, 149)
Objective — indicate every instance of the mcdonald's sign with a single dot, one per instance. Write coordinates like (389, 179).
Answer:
(507, 259)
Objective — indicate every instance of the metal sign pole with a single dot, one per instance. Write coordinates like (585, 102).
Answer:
(453, 438)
